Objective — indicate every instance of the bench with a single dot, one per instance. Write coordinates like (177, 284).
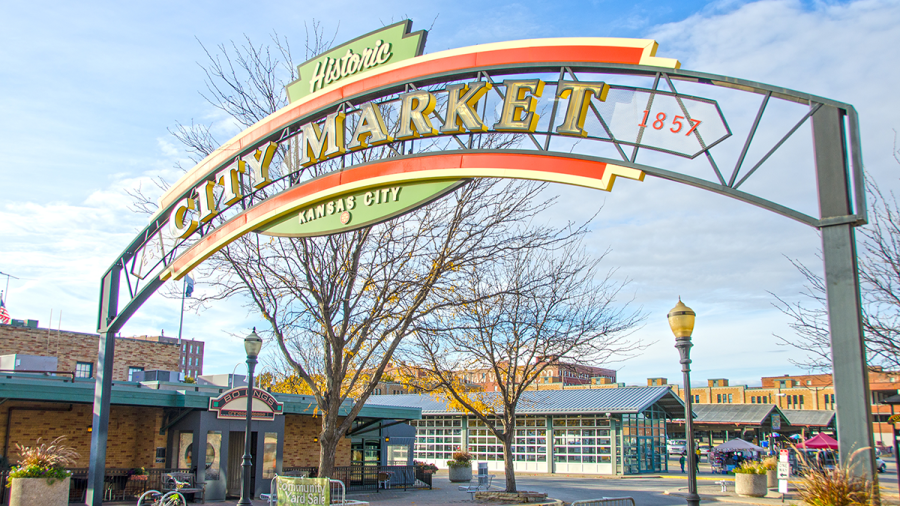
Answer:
(484, 484)
(186, 483)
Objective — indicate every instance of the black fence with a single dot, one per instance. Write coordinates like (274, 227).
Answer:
(371, 478)
(120, 484)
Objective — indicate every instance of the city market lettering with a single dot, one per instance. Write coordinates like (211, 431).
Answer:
(318, 143)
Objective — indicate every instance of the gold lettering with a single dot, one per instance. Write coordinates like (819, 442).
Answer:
(259, 165)
(415, 107)
(207, 201)
(340, 206)
(462, 100)
(395, 192)
(231, 181)
(179, 225)
(330, 207)
(318, 145)
(579, 95)
(370, 130)
(518, 109)
(320, 211)
(351, 202)
(368, 198)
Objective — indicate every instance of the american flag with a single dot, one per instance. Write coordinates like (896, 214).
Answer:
(4, 315)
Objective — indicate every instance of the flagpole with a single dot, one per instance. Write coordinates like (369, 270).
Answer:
(181, 321)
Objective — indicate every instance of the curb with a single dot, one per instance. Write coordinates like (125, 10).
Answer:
(759, 501)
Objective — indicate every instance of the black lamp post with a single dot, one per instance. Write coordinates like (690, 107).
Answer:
(252, 344)
(681, 320)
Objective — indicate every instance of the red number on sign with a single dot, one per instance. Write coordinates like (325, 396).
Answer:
(660, 120)
(644, 121)
(694, 124)
(677, 121)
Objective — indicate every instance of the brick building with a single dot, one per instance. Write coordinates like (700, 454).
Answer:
(558, 375)
(191, 360)
(798, 392)
(156, 425)
(77, 352)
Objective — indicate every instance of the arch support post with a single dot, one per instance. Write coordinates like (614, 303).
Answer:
(848, 351)
(109, 302)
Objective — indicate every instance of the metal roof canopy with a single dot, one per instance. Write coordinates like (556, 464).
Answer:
(810, 417)
(32, 387)
(557, 402)
(735, 414)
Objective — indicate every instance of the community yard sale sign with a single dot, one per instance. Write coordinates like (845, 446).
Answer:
(303, 491)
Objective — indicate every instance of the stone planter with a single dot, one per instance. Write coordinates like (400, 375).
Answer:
(772, 478)
(460, 474)
(36, 492)
(750, 485)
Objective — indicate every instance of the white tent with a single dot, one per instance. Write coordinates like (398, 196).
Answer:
(737, 445)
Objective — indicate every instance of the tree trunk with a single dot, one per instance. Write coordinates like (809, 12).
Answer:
(508, 462)
(328, 443)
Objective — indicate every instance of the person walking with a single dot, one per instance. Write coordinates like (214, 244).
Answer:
(681, 461)
(697, 461)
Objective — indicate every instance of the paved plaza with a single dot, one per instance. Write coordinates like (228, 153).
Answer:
(653, 490)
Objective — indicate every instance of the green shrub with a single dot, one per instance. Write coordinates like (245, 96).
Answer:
(44, 461)
(834, 487)
(461, 458)
(751, 467)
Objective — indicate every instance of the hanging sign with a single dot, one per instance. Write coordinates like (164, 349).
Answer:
(232, 405)
(776, 421)
(303, 491)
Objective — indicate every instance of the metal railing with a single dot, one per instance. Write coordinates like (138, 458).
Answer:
(366, 478)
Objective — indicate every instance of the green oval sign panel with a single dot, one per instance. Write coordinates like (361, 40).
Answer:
(360, 208)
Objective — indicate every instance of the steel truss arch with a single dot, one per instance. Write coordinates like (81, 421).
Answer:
(836, 145)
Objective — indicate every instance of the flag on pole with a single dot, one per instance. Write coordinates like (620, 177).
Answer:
(4, 315)
(188, 286)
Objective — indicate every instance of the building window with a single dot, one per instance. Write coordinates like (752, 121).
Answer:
(729, 399)
(801, 400)
(697, 398)
(84, 370)
(719, 398)
(132, 370)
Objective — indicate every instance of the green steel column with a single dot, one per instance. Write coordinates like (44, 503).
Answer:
(851, 381)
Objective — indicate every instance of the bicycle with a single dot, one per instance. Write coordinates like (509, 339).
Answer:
(156, 498)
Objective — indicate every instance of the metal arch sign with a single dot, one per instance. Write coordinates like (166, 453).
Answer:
(578, 111)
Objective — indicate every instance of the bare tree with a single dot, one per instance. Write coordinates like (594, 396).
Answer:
(879, 275)
(514, 318)
(339, 306)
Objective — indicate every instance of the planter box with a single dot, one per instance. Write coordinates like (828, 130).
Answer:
(750, 485)
(36, 492)
(460, 474)
(772, 478)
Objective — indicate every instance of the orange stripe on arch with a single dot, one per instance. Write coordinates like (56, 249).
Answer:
(521, 52)
(535, 166)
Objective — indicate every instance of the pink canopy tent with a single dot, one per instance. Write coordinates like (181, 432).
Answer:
(820, 442)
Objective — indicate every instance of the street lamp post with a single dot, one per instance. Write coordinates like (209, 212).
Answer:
(252, 344)
(681, 320)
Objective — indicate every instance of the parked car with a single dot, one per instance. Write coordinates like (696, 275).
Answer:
(675, 446)
(704, 450)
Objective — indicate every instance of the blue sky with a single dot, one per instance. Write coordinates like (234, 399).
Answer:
(89, 91)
